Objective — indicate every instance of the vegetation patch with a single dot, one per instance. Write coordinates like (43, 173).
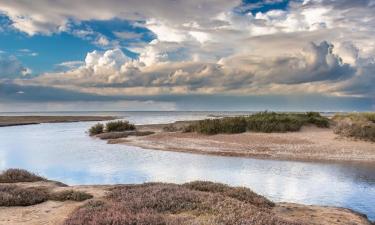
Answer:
(192, 203)
(96, 129)
(69, 195)
(113, 128)
(355, 125)
(19, 175)
(119, 125)
(12, 195)
(259, 122)
(239, 193)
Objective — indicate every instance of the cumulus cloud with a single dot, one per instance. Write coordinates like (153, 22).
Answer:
(112, 72)
(312, 46)
(40, 17)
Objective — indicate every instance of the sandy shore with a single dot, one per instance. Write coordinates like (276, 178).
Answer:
(309, 144)
(27, 120)
(54, 213)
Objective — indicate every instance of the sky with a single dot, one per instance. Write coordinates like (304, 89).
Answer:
(289, 55)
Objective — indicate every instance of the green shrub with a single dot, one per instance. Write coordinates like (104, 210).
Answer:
(70, 195)
(274, 122)
(260, 122)
(119, 125)
(229, 125)
(19, 175)
(96, 129)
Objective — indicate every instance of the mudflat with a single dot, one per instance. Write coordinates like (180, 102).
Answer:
(27, 120)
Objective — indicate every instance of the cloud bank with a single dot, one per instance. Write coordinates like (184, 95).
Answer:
(217, 47)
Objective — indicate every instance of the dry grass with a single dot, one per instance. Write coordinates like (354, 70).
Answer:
(12, 195)
(19, 175)
(355, 125)
(192, 203)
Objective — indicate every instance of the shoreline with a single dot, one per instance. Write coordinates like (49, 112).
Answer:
(7, 121)
(56, 212)
(311, 144)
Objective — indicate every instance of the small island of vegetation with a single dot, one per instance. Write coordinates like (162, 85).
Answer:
(271, 135)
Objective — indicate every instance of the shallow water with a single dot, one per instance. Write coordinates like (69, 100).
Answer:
(64, 152)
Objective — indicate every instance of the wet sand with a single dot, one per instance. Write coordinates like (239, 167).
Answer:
(309, 144)
(55, 213)
(28, 120)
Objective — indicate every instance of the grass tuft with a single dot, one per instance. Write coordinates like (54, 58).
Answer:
(19, 175)
(355, 125)
(12, 195)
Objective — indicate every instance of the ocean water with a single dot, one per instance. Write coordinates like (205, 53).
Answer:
(65, 152)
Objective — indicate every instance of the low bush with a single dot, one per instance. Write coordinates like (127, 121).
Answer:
(170, 204)
(12, 195)
(118, 126)
(355, 125)
(260, 122)
(69, 195)
(96, 129)
(228, 125)
(239, 193)
(19, 175)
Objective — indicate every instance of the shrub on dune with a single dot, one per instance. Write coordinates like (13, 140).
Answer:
(355, 125)
(118, 126)
(260, 122)
(96, 129)
(12, 195)
(19, 175)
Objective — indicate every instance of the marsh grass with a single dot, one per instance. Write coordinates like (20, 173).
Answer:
(355, 125)
(164, 204)
(260, 122)
(19, 175)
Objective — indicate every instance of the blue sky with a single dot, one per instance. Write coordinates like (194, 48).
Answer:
(135, 54)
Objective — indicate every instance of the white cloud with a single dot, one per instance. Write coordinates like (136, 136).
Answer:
(318, 46)
(11, 67)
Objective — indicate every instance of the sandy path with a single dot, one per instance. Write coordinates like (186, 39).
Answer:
(311, 143)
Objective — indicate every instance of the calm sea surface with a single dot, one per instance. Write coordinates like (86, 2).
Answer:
(64, 152)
